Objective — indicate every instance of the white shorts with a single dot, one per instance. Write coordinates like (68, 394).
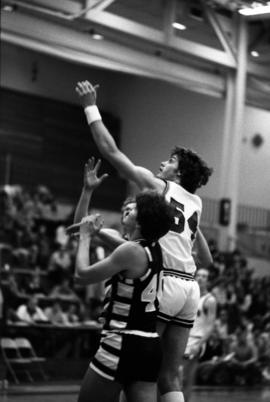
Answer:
(179, 300)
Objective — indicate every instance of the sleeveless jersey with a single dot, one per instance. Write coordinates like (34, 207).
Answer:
(131, 304)
(199, 327)
(177, 243)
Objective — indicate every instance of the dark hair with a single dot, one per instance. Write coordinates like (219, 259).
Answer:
(154, 215)
(127, 201)
(194, 171)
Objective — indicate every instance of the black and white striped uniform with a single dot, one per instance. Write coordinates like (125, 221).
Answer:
(130, 348)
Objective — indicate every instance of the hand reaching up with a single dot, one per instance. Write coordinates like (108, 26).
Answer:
(87, 93)
(90, 225)
(91, 179)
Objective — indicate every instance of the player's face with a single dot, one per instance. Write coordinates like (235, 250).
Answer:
(129, 215)
(202, 278)
(169, 169)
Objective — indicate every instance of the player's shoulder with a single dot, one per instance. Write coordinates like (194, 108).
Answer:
(179, 190)
(130, 248)
(150, 181)
(210, 299)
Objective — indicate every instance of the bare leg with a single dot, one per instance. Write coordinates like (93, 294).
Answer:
(190, 367)
(141, 391)
(96, 388)
(174, 340)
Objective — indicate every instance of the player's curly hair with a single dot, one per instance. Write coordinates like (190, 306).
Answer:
(194, 171)
(154, 215)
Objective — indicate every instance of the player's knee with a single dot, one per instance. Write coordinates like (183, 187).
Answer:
(169, 381)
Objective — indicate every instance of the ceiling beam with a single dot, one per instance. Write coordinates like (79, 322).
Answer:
(103, 4)
(213, 20)
(139, 34)
(169, 17)
(156, 37)
(69, 44)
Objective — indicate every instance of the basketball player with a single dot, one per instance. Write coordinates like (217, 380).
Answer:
(200, 332)
(178, 179)
(113, 238)
(129, 355)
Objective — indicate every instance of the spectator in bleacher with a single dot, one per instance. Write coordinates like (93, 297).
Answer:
(214, 348)
(55, 313)
(35, 285)
(242, 359)
(232, 307)
(220, 293)
(59, 264)
(44, 245)
(263, 345)
(64, 291)
(12, 292)
(2, 316)
(33, 258)
(30, 312)
(45, 202)
(61, 237)
(71, 315)
(222, 326)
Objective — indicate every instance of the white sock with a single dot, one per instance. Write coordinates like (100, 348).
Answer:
(174, 396)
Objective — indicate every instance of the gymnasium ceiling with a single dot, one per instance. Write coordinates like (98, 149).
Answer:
(137, 37)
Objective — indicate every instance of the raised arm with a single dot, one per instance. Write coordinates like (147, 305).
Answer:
(112, 238)
(90, 182)
(124, 259)
(107, 146)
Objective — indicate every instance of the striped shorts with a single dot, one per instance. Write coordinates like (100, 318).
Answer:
(179, 299)
(127, 358)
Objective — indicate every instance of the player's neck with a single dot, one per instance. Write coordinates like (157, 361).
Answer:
(135, 235)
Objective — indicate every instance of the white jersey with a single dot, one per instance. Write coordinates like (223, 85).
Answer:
(177, 243)
(199, 329)
(201, 323)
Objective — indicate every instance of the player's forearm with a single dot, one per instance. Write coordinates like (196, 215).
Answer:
(83, 205)
(103, 140)
(82, 257)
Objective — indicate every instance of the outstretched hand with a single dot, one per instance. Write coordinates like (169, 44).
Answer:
(89, 225)
(91, 179)
(87, 93)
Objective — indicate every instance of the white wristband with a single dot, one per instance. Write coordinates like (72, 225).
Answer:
(92, 114)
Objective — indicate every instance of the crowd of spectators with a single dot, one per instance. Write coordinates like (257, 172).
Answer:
(238, 351)
(37, 263)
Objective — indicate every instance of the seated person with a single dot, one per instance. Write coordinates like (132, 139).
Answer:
(55, 314)
(59, 264)
(71, 315)
(242, 360)
(30, 312)
(35, 285)
(64, 291)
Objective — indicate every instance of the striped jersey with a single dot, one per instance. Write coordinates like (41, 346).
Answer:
(131, 304)
(177, 243)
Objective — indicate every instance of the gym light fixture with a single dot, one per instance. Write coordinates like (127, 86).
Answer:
(179, 26)
(254, 53)
(257, 10)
